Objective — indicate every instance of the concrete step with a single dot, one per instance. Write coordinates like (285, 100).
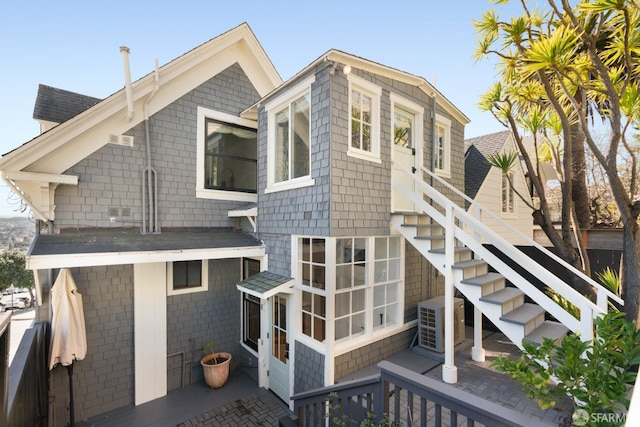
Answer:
(530, 316)
(549, 329)
(488, 282)
(508, 299)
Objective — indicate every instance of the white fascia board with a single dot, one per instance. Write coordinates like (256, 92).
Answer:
(39, 262)
(41, 177)
(84, 133)
(392, 73)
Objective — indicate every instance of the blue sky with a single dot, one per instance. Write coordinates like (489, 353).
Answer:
(74, 45)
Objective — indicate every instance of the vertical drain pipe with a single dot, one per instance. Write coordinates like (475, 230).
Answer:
(149, 175)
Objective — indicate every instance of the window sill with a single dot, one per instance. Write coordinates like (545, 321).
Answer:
(363, 155)
(290, 185)
(233, 196)
(183, 291)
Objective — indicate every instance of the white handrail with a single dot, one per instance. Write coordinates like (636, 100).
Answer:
(588, 310)
(529, 241)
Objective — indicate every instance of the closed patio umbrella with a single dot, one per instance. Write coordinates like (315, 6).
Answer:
(68, 333)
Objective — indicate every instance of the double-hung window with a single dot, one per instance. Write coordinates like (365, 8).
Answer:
(442, 146)
(351, 273)
(227, 154)
(312, 268)
(289, 139)
(364, 123)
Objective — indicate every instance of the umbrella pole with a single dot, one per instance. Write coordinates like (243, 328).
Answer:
(72, 421)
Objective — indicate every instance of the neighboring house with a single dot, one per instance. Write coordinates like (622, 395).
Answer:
(211, 202)
(489, 187)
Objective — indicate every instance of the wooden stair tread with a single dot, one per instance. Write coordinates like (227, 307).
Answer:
(502, 296)
(548, 329)
(523, 314)
(457, 249)
(440, 237)
(469, 263)
(483, 279)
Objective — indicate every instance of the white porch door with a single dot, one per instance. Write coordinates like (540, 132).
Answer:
(279, 367)
(404, 155)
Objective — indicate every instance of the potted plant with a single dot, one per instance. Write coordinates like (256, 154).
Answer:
(215, 366)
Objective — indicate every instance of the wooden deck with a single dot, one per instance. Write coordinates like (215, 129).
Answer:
(240, 400)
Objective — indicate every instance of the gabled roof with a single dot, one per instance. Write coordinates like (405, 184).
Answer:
(476, 166)
(59, 105)
(42, 161)
(61, 147)
(382, 70)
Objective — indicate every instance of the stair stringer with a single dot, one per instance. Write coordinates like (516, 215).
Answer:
(494, 312)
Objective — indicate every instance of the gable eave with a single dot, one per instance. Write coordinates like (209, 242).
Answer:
(66, 144)
(395, 74)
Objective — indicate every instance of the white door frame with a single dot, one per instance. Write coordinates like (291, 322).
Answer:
(289, 363)
(417, 137)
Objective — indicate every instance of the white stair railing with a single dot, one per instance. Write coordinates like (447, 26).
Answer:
(479, 233)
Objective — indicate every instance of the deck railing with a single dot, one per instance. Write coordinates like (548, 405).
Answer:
(401, 396)
(27, 388)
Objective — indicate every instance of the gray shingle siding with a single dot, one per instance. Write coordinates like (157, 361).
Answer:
(195, 319)
(104, 379)
(303, 211)
(309, 369)
(111, 177)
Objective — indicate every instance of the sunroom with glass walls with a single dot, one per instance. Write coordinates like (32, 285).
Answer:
(351, 289)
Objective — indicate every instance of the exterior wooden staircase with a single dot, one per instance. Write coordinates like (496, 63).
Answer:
(504, 305)
(457, 243)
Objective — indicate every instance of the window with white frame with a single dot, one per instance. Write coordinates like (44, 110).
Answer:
(226, 155)
(184, 277)
(361, 275)
(351, 274)
(250, 307)
(312, 268)
(364, 123)
(289, 139)
(508, 195)
(442, 145)
(387, 282)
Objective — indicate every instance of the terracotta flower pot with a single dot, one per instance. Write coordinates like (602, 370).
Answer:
(216, 374)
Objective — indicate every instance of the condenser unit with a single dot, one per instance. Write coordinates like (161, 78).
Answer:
(431, 323)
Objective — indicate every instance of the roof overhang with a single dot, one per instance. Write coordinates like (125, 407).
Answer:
(265, 284)
(61, 147)
(99, 247)
(379, 69)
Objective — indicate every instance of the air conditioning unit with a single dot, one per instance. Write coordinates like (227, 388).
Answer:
(431, 323)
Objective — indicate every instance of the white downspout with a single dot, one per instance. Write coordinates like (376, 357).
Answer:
(127, 82)
(149, 173)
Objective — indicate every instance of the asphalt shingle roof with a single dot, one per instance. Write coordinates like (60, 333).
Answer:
(58, 105)
(476, 166)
